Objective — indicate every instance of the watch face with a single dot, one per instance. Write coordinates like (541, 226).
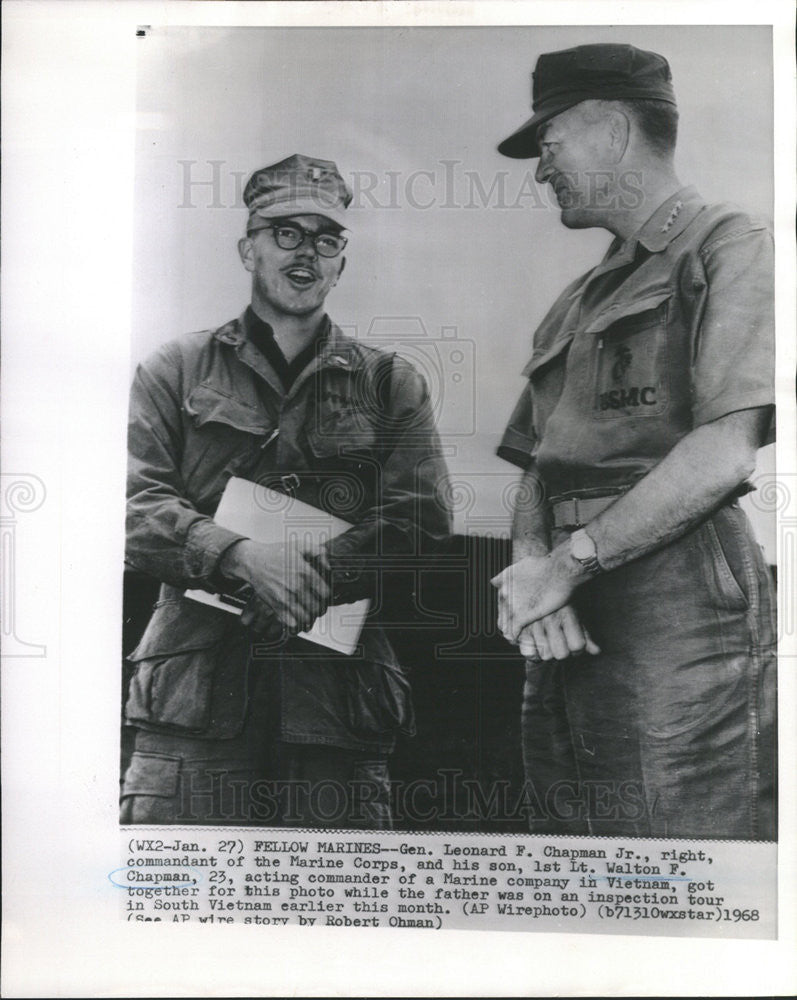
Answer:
(582, 546)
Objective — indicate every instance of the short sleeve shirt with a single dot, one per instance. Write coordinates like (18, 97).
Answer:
(673, 329)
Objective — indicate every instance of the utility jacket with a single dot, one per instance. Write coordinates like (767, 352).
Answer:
(354, 435)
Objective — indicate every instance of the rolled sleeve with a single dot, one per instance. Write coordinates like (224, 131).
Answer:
(518, 444)
(734, 355)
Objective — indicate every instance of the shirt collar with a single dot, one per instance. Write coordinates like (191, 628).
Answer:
(333, 348)
(669, 220)
(235, 331)
(258, 329)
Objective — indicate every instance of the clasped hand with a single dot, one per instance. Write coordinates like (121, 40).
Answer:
(533, 608)
(290, 589)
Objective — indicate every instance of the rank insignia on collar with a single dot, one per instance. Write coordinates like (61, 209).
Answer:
(672, 216)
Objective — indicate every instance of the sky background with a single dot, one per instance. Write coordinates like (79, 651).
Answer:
(455, 253)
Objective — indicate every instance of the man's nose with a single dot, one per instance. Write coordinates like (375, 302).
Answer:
(307, 247)
(543, 171)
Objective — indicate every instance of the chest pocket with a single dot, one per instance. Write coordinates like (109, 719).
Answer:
(631, 366)
(342, 433)
(206, 404)
(346, 470)
(348, 409)
(227, 438)
(344, 438)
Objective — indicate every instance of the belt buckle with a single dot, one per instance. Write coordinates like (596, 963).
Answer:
(570, 515)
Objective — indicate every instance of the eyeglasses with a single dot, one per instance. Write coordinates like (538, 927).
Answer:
(291, 236)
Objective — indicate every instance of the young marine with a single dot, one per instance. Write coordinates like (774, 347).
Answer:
(239, 720)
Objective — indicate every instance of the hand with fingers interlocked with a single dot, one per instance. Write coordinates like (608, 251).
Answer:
(534, 610)
(290, 589)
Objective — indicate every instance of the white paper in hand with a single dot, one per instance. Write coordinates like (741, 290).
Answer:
(267, 516)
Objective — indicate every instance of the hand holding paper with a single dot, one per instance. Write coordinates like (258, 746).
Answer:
(284, 581)
(287, 568)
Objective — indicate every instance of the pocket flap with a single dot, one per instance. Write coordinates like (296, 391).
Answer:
(151, 774)
(628, 310)
(543, 355)
(343, 434)
(208, 404)
(181, 625)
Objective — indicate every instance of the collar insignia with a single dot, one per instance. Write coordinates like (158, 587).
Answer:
(672, 216)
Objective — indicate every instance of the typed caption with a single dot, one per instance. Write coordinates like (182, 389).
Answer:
(275, 878)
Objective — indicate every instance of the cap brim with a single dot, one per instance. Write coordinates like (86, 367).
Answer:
(300, 206)
(522, 145)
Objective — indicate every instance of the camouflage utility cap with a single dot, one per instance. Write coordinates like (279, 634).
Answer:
(298, 185)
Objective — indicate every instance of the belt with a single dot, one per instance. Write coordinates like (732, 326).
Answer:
(579, 510)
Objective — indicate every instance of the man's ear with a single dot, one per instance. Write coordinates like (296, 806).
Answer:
(619, 133)
(246, 252)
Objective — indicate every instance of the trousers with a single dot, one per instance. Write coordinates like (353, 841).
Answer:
(254, 779)
(670, 731)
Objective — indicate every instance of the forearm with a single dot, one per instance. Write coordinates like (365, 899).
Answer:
(531, 535)
(559, 634)
(700, 472)
(413, 527)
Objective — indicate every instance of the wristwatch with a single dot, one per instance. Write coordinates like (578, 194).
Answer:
(582, 549)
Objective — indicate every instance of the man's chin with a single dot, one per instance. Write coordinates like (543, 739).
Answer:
(579, 218)
(302, 313)
(301, 307)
